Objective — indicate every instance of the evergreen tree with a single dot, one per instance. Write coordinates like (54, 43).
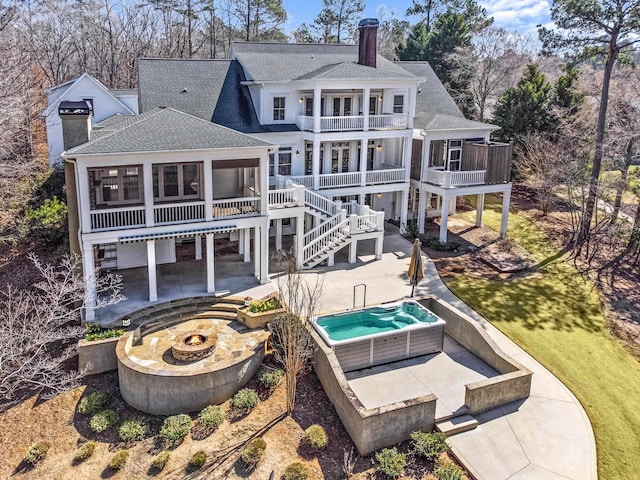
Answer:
(568, 96)
(526, 108)
(335, 23)
(416, 46)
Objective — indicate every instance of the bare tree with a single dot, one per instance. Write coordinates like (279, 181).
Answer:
(40, 329)
(291, 337)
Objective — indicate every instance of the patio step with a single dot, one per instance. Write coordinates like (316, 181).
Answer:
(218, 314)
(456, 425)
(225, 307)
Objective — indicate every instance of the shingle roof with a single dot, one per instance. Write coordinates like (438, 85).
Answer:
(207, 89)
(163, 129)
(440, 121)
(349, 70)
(287, 61)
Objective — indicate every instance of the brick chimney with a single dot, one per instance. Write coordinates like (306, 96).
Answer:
(76, 122)
(367, 49)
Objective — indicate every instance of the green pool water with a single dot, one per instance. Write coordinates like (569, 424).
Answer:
(369, 321)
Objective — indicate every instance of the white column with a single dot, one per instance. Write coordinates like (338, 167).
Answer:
(366, 94)
(406, 157)
(506, 198)
(363, 159)
(331, 259)
(317, 95)
(479, 209)
(88, 274)
(404, 207)
(315, 164)
(411, 101)
(263, 184)
(378, 246)
(207, 176)
(422, 205)
(278, 234)
(147, 190)
(444, 217)
(256, 252)
(84, 200)
(264, 255)
(198, 241)
(211, 255)
(151, 268)
(241, 241)
(246, 238)
(353, 247)
(426, 159)
(299, 239)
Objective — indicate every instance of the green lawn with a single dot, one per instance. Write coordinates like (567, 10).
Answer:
(557, 318)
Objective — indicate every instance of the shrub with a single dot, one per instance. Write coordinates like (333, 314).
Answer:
(252, 453)
(435, 244)
(132, 430)
(448, 470)
(270, 379)
(390, 462)
(49, 219)
(197, 460)
(211, 417)
(36, 452)
(296, 471)
(429, 445)
(93, 402)
(84, 452)
(260, 306)
(176, 427)
(316, 437)
(93, 332)
(245, 400)
(103, 420)
(119, 460)
(160, 461)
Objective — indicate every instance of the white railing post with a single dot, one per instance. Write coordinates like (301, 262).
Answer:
(338, 206)
(343, 213)
(380, 221)
(299, 195)
(447, 180)
(353, 224)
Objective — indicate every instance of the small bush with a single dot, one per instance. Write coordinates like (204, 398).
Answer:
(84, 452)
(175, 428)
(93, 332)
(49, 219)
(390, 462)
(103, 420)
(211, 417)
(160, 461)
(448, 470)
(119, 460)
(197, 460)
(429, 445)
(93, 402)
(36, 452)
(270, 379)
(252, 453)
(261, 306)
(245, 400)
(435, 244)
(316, 437)
(296, 471)
(132, 430)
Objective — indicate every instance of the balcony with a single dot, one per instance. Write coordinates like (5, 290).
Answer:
(393, 121)
(352, 179)
(449, 179)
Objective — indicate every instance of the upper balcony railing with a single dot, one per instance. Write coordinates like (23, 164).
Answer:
(449, 179)
(352, 179)
(390, 121)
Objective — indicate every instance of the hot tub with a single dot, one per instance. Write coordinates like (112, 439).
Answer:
(376, 335)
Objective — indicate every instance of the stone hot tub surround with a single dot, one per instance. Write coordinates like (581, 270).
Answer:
(193, 345)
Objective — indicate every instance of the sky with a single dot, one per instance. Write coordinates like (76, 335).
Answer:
(520, 15)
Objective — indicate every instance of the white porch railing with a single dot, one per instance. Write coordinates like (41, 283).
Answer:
(448, 179)
(375, 177)
(353, 122)
(234, 207)
(319, 239)
(320, 203)
(291, 196)
(333, 180)
(114, 218)
(178, 213)
(306, 180)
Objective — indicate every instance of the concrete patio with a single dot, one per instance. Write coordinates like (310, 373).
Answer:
(547, 436)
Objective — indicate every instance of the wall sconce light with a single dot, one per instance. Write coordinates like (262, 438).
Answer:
(379, 148)
(297, 153)
(301, 99)
(379, 99)
(126, 321)
(379, 195)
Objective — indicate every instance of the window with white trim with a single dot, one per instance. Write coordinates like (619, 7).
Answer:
(280, 161)
(176, 181)
(398, 103)
(454, 156)
(118, 185)
(278, 108)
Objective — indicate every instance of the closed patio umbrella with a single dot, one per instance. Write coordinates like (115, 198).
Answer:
(416, 272)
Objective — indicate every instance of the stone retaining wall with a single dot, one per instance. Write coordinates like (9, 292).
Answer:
(98, 356)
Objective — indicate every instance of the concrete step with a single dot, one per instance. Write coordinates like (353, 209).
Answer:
(226, 307)
(217, 314)
(458, 424)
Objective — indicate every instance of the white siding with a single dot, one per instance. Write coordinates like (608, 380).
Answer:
(130, 101)
(131, 255)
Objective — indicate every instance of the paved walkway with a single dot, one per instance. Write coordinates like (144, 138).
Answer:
(547, 436)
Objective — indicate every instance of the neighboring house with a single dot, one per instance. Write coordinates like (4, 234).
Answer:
(104, 104)
(320, 141)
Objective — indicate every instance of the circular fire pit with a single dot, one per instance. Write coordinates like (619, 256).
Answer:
(193, 345)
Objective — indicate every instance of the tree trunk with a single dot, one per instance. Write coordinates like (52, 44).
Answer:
(585, 224)
(624, 174)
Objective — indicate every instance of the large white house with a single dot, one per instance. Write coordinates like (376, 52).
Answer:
(322, 142)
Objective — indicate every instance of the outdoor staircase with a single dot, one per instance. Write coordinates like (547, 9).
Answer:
(456, 424)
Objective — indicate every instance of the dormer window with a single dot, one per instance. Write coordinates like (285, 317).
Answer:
(278, 109)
